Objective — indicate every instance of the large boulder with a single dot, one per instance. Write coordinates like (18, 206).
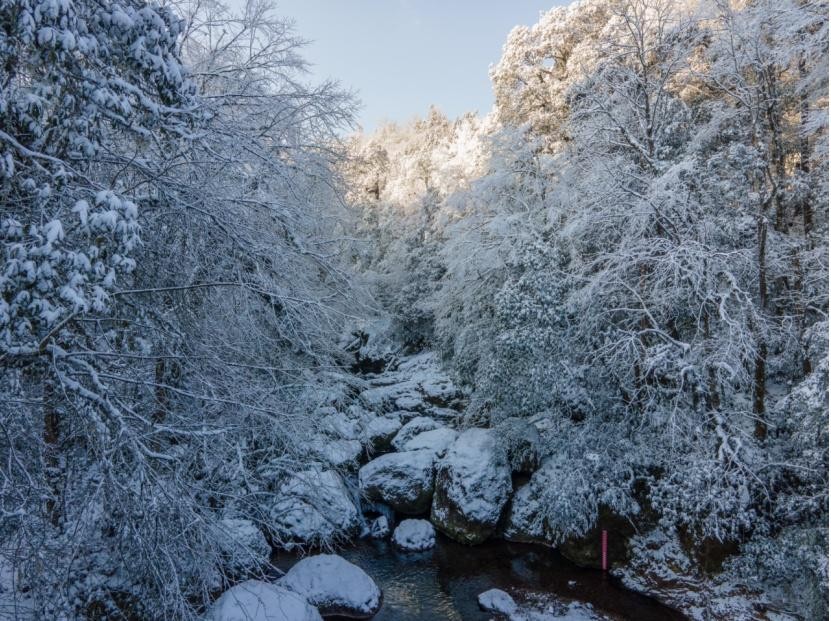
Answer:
(378, 433)
(404, 481)
(335, 586)
(414, 535)
(310, 507)
(437, 440)
(255, 600)
(414, 427)
(473, 484)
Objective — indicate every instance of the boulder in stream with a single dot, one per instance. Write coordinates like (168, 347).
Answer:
(496, 600)
(473, 484)
(379, 528)
(414, 535)
(335, 586)
(404, 481)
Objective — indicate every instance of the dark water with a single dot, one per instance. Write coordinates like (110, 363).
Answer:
(443, 583)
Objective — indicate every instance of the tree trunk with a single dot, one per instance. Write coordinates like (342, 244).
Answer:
(51, 441)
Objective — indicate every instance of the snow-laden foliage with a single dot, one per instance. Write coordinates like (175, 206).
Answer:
(170, 294)
(637, 262)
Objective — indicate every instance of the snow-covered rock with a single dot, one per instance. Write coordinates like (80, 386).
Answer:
(437, 440)
(310, 507)
(417, 383)
(379, 528)
(416, 426)
(414, 535)
(337, 453)
(335, 586)
(473, 483)
(521, 441)
(496, 600)
(340, 425)
(404, 481)
(255, 600)
(379, 432)
(243, 545)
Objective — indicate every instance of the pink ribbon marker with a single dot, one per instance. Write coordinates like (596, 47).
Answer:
(604, 543)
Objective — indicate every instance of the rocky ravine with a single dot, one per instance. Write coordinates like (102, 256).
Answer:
(394, 455)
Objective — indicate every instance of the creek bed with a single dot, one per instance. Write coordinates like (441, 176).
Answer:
(442, 584)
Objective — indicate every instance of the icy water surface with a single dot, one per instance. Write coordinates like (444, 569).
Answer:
(443, 583)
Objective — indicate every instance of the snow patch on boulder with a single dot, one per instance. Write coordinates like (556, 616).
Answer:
(378, 433)
(416, 426)
(339, 425)
(537, 607)
(437, 440)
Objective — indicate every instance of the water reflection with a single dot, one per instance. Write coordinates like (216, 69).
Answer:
(443, 583)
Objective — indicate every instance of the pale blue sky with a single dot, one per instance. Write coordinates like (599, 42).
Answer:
(403, 55)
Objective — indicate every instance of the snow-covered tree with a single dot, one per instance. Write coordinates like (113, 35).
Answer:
(171, 287)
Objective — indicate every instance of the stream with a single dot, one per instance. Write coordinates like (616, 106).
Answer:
(442, 584)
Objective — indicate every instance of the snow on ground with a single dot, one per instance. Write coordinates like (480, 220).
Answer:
(255, 600)
(13, 603)
(334, 585)
(414, 535)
